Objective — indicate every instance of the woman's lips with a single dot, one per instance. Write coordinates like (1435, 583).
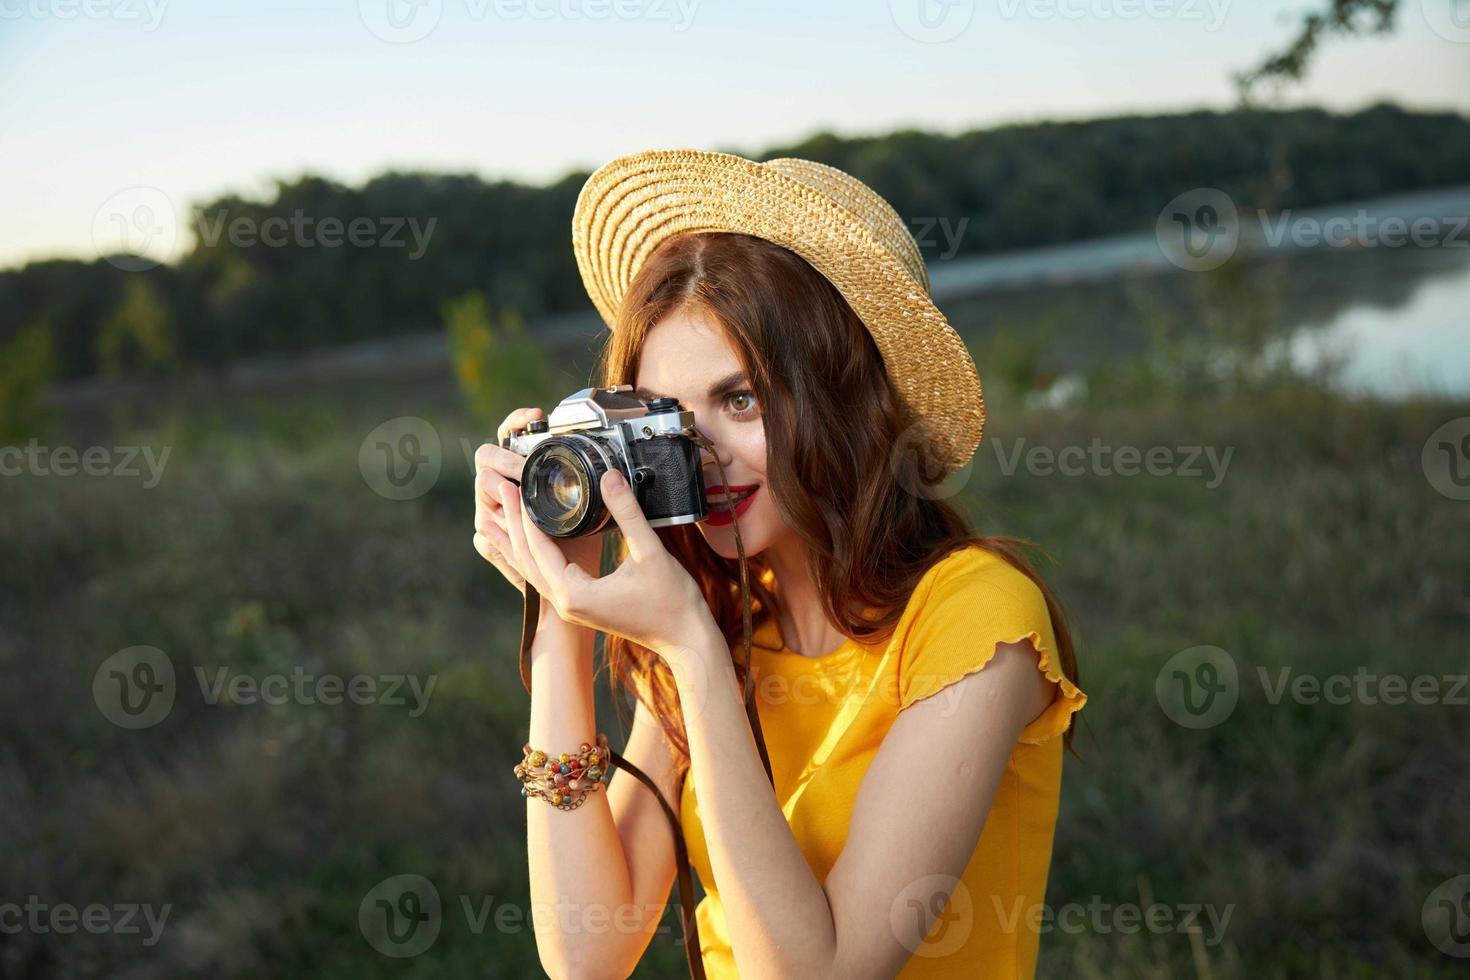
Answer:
(718, 516)
(716, 491)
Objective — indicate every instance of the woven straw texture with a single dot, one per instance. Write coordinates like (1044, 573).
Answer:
(839, 225)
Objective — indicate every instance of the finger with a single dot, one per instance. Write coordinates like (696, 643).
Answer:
(500, 541)
(487, 483)
(487, 520)
(493, 459)
(534, 567)
(510, 496)
(488, 509)
(491, 548)
(622, 503)
(516, 420)
(551, 564)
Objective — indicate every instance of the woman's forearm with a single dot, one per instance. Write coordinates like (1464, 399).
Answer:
(778, 916)
(579, 874)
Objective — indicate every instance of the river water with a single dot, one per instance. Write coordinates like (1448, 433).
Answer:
(1395, 316)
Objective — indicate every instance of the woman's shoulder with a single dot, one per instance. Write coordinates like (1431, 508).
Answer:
(968, 604)
(974, 574)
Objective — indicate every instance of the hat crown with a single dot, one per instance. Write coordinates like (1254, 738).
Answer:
(865, 204)
(848, 233)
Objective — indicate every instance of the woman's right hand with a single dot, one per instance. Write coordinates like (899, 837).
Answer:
(495, 466)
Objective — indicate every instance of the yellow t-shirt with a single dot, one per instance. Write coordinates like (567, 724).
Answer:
(823, 718)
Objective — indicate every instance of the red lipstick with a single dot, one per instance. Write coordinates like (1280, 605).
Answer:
(714, 496)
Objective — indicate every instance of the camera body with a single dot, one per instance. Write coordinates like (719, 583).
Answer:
(598, 429)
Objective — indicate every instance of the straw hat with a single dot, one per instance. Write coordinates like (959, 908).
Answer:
(835, 222)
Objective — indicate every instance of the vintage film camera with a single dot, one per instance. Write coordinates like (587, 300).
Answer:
(598, 429)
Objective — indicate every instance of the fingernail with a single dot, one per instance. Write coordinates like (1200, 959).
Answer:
(615, 481)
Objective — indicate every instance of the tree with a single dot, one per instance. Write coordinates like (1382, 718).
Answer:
(499, 367)
(1344, 17)
(27, 364)
(136, 337)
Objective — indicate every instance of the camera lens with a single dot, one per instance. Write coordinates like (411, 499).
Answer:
(559, 486)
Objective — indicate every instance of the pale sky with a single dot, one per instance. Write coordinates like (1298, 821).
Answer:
(187, 99)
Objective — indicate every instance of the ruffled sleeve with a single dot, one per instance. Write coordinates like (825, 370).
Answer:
(968, 605)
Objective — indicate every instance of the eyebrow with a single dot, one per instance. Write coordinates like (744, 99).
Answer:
(733, 381)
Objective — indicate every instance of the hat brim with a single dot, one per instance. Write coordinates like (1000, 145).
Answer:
(634, 203)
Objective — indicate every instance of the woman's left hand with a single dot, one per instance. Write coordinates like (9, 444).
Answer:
(649, 599)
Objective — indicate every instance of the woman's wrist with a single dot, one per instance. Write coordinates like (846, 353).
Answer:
(564, 641)
(699, 638)
(549, 619)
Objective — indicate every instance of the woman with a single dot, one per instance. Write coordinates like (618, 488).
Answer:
(914, 683)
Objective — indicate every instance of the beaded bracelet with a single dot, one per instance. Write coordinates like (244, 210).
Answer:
(564, 781)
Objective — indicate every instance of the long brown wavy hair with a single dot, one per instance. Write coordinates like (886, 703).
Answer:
(809, 358)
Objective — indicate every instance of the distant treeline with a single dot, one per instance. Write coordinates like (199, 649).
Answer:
(321, 263)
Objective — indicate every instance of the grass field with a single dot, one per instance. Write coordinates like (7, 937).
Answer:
(262, 551)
